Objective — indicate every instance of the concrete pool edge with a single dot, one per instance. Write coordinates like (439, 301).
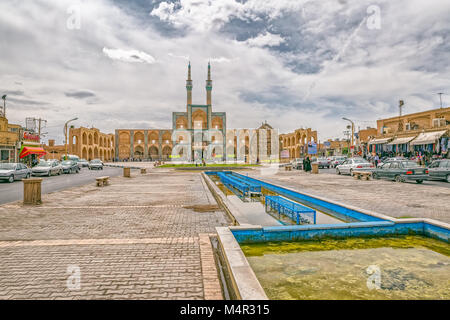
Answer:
(325, 202)
(252, 234)
(244, 281)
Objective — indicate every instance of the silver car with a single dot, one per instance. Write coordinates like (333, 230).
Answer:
(353, 164)
(96, 164)
(337, 160)
(83, 163)
(70, 166)
(47, 168)
(14, 171)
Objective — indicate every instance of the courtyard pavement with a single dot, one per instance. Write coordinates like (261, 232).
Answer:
(387, 197)
(145, 237)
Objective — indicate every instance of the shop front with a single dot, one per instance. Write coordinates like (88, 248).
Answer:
(31, 150)
(400, 144)
(379, 145)
(431, 142)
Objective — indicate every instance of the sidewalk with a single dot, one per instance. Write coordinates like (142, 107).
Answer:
(382, 196)
(145, 237)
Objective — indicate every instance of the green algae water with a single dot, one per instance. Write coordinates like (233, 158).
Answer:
(403, 267)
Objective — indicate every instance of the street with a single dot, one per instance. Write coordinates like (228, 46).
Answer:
(10, 192)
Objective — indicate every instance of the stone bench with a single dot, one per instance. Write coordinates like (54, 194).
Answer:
(102, 181)
(366, 175)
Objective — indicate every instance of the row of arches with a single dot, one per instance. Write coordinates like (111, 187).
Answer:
(90, 153)
(92, 139)
(139, 138)
(298, 139)
(199, 121)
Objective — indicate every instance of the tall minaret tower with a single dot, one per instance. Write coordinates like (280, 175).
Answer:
(189, 86)
(209, 86)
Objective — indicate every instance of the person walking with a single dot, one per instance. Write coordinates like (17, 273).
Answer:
(376, 159)
(307, 164)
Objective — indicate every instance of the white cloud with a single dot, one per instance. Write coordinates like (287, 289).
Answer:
(203, 15)
(364, 79)
(129, 55)
(220, 60)
(170, 54)
(267, 39)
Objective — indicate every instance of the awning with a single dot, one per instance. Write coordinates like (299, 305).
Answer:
(402, 140)
(428, 137)
(31, 150)
(379, 141)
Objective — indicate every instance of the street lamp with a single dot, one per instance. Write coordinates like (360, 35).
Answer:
(353, 132)
(4, 105)
(65, 133)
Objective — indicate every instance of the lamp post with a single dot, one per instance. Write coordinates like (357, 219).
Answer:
(353, 133)
(4, 105)
(65, 134)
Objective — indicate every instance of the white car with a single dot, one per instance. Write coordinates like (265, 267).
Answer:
(47, 168)
(96, 164)
(14, 171)
(353, 164)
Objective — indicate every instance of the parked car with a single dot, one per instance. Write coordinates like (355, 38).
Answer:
(14, 171)
(70, 166)
(324, 163)
(83, 163)
(401, 171)
(387, 159)
(439, 170)
(297, 163)
(96, 164)
(337, 160)
(352, 164)
(47, 168)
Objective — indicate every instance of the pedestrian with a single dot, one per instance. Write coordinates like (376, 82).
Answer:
(376, 159)
(307, 164)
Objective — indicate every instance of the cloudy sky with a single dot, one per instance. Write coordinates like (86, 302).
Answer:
(123, 63)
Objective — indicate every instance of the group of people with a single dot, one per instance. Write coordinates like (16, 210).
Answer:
(422, 158)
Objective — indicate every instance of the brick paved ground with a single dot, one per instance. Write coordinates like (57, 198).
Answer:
(386, 197)
(140, 238)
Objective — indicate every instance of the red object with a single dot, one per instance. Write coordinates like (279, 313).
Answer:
(359, 167)
(30, 150)
(409, 172)
(426, 171)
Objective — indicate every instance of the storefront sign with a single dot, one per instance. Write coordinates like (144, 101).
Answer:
(30, 137)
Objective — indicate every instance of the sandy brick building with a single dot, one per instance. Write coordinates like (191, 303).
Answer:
(86, 143)
(297, 142)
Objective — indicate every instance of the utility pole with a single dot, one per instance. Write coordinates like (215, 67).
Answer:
(440, 97)
(39, 126)
(4, 105)
(401, 103)
(353, 133)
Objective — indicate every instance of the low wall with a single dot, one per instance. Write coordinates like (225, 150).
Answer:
(315, 232)
(322, 204)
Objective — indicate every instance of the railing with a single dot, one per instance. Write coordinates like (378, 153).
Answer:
(230, 182)
(253, 187)
(298, 213)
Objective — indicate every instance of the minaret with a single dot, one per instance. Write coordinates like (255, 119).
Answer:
(189, 86)
(209, 86)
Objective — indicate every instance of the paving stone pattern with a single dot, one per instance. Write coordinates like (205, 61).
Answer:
(135, 239)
